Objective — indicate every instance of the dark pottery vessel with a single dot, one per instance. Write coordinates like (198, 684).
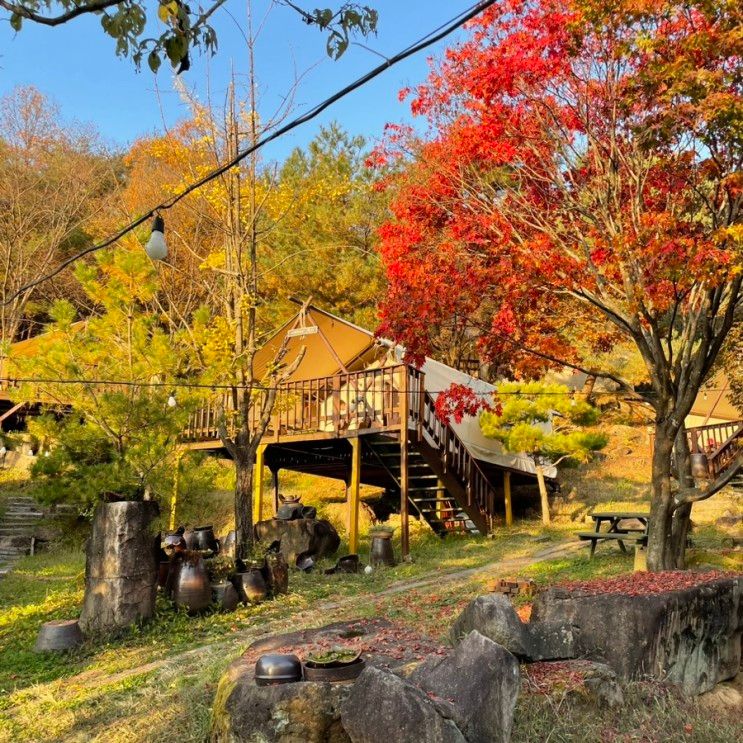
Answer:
(289, 511)
(340, 672)
(346, 564)
(174, 567)
(163, 569)
(59, 634)
(224, 596)
(189, 537)
(192, 591)
(174, 543)
(275, 668)
(277, 573)
(700, 466)
(205, 539)
(251, 586)
(381, 549)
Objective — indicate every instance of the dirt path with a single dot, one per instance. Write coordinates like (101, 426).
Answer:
(321, 611)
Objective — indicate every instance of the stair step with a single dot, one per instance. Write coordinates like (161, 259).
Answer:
(438, 511)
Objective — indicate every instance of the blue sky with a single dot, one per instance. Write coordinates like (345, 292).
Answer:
(76, 66)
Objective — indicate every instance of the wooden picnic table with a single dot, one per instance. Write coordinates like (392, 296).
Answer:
(617, 530)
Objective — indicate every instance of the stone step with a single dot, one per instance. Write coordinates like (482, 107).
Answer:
(11, 531)
(23, 525)
(22, 511)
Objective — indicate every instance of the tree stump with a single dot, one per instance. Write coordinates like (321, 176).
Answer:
(121, 567)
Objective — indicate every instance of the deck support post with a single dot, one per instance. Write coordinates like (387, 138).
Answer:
(275, 475)
(260, 457)
(404, 515)
(174, 496)
(507, 497)
(353, 496)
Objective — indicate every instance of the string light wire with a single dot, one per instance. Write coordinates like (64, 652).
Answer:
(258, 387)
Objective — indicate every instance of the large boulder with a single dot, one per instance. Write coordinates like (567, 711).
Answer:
(481, 679)
(493, 616)
(308, 537)
(689, 637)
(551, 641)
(384, 708)
(121, 567)
(303, 712)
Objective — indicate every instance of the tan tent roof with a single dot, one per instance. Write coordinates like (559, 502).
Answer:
(331, 344)
(714, 401)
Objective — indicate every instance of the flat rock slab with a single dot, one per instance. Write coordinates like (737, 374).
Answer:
(309, 712)
(690, 637)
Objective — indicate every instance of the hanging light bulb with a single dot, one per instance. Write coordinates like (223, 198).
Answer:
(156, 247)
(172, 402)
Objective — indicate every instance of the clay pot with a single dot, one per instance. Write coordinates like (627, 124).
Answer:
(174, 567)
(174, 543)
(700, 466)
(192, 591)
(204, 539)
(224, 596)
(189, 537)
(277, 573)
(290, 511)
(275, 668)
(163, 569)
(251, 586)
(59, 634)
(381, 549)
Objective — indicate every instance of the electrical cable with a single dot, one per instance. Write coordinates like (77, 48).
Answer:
(214, 387)
(429, 39)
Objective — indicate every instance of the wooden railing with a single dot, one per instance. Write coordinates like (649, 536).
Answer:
(458, 461)
(354, 401)
(722, 443)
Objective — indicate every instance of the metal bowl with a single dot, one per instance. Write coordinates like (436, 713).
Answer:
(275, 668)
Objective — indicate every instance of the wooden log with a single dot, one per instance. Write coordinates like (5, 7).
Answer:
(121, 567)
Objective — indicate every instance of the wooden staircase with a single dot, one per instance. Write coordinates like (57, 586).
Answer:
(721, 445)
(427, 495)
(446, 485)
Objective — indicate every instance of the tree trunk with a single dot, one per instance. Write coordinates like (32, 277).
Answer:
(543, 495)
(681, 516)
(660, 554)
(243, 505)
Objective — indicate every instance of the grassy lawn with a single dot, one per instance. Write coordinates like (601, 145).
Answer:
(156, 683)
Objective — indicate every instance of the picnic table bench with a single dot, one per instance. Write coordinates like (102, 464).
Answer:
(617, 530)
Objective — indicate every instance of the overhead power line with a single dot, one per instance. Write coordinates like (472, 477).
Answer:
(429, 39)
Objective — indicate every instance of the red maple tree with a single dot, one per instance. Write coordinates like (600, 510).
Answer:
(579, 187)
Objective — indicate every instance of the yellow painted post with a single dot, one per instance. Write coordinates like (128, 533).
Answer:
(440, 494)
(353, 496)
(404, 477)
(507, 497)
(174, 497)
(258, 483)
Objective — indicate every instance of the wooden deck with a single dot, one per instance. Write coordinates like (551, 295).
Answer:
(377, 427)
